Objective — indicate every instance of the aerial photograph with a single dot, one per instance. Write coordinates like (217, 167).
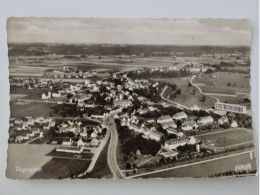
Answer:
(125, 98)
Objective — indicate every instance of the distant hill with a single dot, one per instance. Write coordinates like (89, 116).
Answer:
(108, 49)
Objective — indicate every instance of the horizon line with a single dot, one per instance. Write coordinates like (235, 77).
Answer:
(131, 44)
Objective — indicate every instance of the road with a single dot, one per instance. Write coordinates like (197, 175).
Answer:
(172, 102)
(96, 155)
(206, 94)
(190, 164)
(111, 153)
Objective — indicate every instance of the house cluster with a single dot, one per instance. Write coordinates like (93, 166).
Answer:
(33, 83)
(50, 95)
(68, 72)
(88, 135)
(24, 129)
(132, 122)
(172, 144)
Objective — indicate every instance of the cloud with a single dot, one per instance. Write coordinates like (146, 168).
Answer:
(130, 31)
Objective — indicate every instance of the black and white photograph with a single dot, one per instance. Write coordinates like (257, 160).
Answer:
(129, 98)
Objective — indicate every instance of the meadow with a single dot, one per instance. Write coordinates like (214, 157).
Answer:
(187, 96)
(227, 138)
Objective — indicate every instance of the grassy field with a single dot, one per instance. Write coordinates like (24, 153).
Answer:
(206, 169)
(219, 84)
(227, 138)
(61, 168)
(35, 94)
(34, 109)
(36, 69)
(26, 156)
(25, 69)
(234, 100)
(187, 97)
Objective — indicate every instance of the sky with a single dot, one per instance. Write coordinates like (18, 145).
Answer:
(228, 32)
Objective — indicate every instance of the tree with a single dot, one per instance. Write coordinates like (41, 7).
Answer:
(203, 99)
(69, 95)
(50, 114)
(225, 125)
(126, 158)
(178, 91)
(128, 166)
(194, 91)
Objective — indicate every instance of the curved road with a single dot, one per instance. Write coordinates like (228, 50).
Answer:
(172, 102)
(201, 91)
(111, 153)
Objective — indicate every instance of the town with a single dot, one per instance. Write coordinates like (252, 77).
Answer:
(132, 115)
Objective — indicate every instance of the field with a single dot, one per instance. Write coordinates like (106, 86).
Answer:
(187, 97)
(234, 100)
(26, 156)
(221, 80)
(106, 63)
(26, 70)
(208, 168)
(35, 94)
(34, 109)
(227, 138)
(58, 168)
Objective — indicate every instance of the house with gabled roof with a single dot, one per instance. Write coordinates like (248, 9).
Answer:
(205, 120)
(174, 143)
(164, 119)
(180, 116)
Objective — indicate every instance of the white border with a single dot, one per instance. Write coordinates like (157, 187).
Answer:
(128, 9)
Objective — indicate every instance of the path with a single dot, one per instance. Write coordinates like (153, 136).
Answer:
(202, 91)
(172, 102)
(96, 155)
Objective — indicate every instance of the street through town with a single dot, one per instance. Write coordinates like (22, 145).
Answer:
(111, 155)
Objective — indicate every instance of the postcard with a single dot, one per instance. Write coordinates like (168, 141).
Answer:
(129, 98)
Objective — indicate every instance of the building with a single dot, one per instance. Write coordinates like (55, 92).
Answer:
(174, 143)
(205, 120)
(192, 140)
(46, 97)
(170, 154)
(171, 130)
(67, 142)
(155, 135)
(180, 116)
(75, 150)
(142, 111)
(94, 142)
(80, 143)
(97, 116)
(122, 103)
(56, 95)
(165, 119)
(222, 120)
(136, 128)
(234, 124)
(195, 107)
(189, 125)
(230, 107)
